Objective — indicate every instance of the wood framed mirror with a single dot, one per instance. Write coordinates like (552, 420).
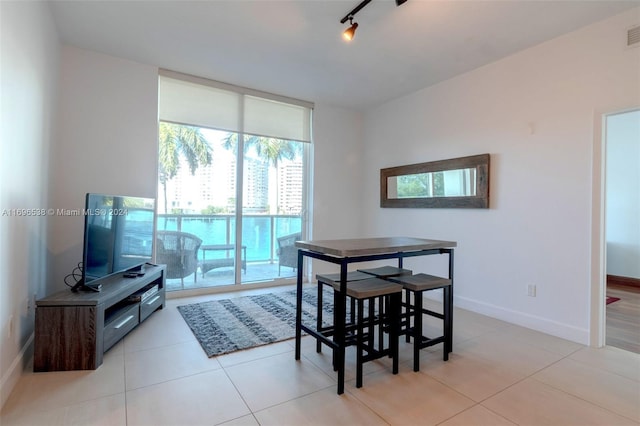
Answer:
(454, 183)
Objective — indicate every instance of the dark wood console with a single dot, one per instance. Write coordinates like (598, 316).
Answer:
(73, 330)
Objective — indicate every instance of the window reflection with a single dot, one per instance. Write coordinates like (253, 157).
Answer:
(447, 183)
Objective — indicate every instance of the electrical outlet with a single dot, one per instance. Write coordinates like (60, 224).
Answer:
(531, 290)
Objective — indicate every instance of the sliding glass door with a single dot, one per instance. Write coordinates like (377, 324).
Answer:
(242, 195)
(272, 205)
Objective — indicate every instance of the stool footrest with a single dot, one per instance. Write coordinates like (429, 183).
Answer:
(375, 354)
(410, 311)
(425, 341)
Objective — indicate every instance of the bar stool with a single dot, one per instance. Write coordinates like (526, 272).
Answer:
(329, 280)
(417, 284)
(385, 272)
(369, 290)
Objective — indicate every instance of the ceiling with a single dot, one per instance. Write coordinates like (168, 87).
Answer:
(294, 48)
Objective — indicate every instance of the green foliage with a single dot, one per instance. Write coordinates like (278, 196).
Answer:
(413, 186)
(271, 149)
(438, 184)
(177, 140)
(420, 185)
(214, 210)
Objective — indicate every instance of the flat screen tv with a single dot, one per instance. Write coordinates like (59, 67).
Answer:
(118, 237)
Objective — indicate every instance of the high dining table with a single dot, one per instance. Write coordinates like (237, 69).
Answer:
(345, 251)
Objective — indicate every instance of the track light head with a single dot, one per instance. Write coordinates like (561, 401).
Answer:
(351, 31)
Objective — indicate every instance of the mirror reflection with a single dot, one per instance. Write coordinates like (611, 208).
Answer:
(446, 183)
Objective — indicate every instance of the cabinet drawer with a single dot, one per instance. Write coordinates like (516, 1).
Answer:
(121, 324)
(149, 305)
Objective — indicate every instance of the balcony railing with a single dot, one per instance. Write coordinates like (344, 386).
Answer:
(259, 232)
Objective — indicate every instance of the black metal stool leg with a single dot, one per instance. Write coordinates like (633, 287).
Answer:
(381, 313)
(335, 315)
(417, 329)
(394, 329)
(371, 305)
(359, 344)
(352, 315)
(408, 315)
(319, 316)
(448, 323)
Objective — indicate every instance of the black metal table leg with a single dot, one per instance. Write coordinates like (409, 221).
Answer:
(339, 336)
(299, 304)
(449, 337)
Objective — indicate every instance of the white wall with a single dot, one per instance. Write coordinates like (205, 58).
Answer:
(337, 182)
(534, 113)
(337, 159)
(623, 194)
(28, 79)
(107, 143)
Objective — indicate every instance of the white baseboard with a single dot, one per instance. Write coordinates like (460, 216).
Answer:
(544, 325)
(13, 374)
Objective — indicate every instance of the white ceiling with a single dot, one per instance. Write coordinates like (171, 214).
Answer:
(294, 48)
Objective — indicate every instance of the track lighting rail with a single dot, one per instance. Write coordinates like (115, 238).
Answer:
(355, 10)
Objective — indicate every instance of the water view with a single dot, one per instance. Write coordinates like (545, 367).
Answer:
(259, 232)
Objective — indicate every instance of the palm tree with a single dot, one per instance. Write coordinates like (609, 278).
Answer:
(178, 140)
(272, 149)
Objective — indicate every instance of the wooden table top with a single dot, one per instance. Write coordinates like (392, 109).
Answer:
(367, 246)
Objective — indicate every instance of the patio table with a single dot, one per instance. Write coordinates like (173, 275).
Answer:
(207, 265)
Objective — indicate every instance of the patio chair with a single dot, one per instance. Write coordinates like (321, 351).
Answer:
(179, 251)
(287, 251)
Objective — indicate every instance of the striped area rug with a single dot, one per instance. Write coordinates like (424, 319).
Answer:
(228, 325)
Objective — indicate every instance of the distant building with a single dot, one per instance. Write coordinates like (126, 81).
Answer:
(256, 186)
(215, 186)
(290, 187)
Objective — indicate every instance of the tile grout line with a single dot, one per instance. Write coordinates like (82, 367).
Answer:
(480, 403)
(530, 376)
(578, 396)
(244, 401)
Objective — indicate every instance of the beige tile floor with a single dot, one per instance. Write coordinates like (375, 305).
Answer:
(498, 374)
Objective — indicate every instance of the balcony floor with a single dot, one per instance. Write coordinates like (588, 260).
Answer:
(224, 277)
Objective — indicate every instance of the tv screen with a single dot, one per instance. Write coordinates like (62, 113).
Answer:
(118, 235)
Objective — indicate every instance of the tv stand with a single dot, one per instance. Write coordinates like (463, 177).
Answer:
(81, 286)
(74, 329)
(95, 288)
(140, 269)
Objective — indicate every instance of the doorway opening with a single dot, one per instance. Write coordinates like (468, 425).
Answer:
(621, 205)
